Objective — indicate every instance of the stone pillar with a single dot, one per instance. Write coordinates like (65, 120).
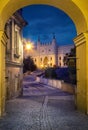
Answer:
(8, 33)
(18, 43)
(3, 39)
(12, 53)
(81, 42)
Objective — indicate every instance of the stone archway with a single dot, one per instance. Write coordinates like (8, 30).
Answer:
(77, 11)
(74, 9)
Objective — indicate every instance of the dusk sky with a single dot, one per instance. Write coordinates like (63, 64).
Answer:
(45, 20)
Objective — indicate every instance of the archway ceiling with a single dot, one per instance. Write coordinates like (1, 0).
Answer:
(75, 9)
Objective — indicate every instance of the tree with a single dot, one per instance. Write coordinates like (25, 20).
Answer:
(51, 73)
(70, 61)
(28, 64)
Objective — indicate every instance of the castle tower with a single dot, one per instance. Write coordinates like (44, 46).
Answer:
(54, 40)
(38, 43)
(38, 39)
(54, 44)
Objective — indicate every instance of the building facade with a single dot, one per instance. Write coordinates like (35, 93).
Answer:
(48, 54)
(14, 54)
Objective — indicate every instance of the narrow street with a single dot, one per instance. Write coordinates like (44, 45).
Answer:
(42, 108)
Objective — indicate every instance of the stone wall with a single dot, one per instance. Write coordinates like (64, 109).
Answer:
(58, 84)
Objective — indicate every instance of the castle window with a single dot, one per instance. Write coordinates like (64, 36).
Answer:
(50, 64)
(59, 64)
(51, 58)
(42, 50)
(60, 58)
(41, 59)
(64, 64)
(49, 50)
(35, 60)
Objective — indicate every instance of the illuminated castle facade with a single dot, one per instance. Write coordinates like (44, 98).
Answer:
(48, 54)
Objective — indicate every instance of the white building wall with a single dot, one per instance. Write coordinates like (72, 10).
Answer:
(62, 50)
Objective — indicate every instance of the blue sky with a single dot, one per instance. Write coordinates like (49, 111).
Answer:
(45, 20)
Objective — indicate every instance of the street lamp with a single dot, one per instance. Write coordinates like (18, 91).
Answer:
(28, 45)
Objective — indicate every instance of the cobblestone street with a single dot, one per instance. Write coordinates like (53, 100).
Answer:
(42, 108)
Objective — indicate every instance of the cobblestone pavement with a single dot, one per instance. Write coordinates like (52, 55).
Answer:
(42, 108)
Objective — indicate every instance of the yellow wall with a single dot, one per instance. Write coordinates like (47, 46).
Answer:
(74, 8)
(2, 73)
(81, 75)
(78, 12)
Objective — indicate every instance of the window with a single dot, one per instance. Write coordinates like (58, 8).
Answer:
(41, 59)
(8, 43)
(50, 64)
(51, 58)
(16, 43)
(49, 50)
(60, 58)
(64, 64)
(59, 64)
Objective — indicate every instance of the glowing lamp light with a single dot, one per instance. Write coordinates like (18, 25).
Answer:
(28, 46)
(41, 65)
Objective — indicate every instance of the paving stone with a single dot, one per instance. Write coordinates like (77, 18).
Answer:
(43, 109)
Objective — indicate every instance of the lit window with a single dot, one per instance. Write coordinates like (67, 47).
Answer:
(59, 64)
(59, 58)
(50, 64)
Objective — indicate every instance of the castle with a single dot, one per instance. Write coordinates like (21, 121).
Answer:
(48, 54)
